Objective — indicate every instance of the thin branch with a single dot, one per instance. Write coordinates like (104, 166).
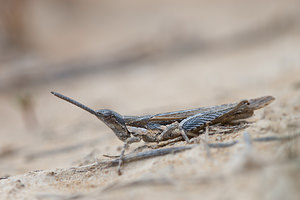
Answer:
(160, 152)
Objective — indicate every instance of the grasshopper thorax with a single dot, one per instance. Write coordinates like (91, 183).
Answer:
(114, 121)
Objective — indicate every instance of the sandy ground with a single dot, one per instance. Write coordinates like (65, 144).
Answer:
(45, 142)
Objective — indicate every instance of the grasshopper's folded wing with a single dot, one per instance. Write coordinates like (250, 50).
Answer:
(180, 115)
(254, 104)
(169, 117)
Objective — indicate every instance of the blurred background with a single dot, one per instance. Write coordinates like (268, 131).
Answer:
(136, 57)
(43, 42)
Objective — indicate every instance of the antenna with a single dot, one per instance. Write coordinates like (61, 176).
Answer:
(76, 103)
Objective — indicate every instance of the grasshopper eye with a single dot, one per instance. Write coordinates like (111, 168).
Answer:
(104, 113)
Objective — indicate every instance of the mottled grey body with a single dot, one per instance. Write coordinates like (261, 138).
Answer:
(171, 125)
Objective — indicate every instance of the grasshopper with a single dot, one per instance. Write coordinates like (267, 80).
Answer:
(172, 126)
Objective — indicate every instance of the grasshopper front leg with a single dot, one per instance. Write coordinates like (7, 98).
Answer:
(125, 146)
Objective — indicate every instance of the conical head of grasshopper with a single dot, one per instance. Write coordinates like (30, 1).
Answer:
(111, 118)
(114, 121)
